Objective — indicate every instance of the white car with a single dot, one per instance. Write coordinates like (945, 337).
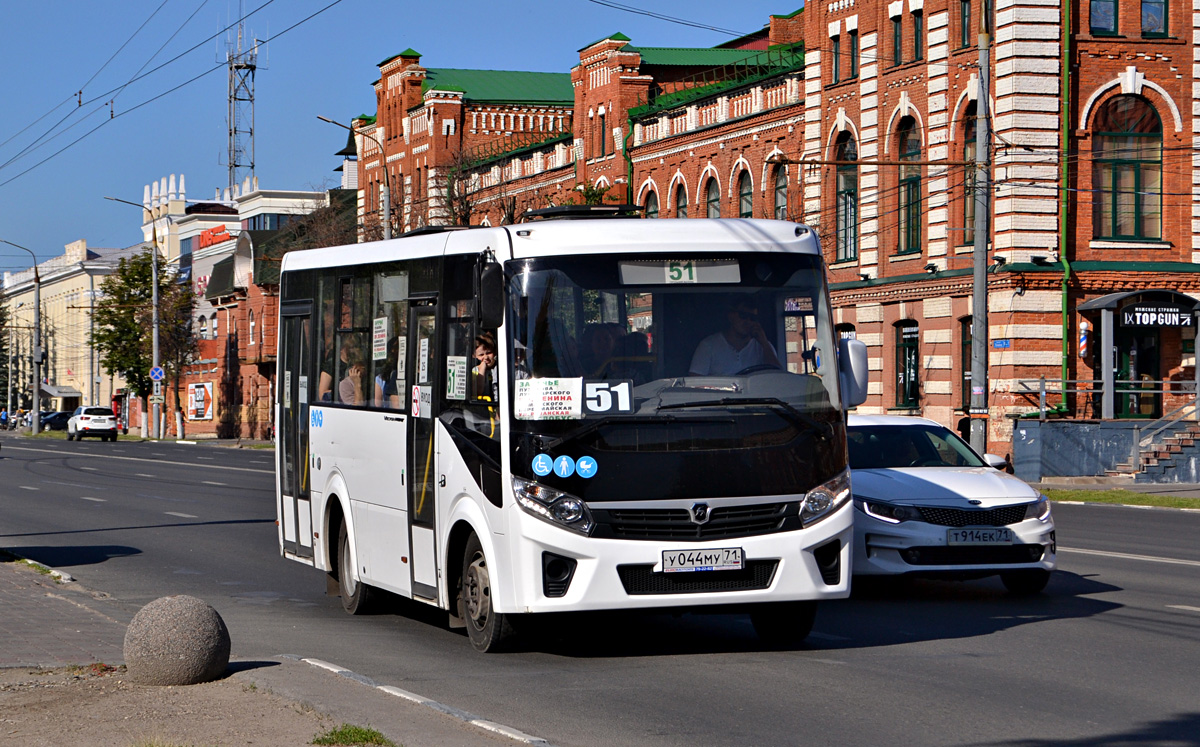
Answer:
(92, 421)
(927, 504)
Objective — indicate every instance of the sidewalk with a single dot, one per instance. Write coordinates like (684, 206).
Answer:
(45, 624)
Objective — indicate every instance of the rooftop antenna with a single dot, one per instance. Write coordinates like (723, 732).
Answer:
(242, 59)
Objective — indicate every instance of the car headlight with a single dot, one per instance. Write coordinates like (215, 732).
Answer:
(1039, 509)
(825, 499)
(553, 506)
(888, 512)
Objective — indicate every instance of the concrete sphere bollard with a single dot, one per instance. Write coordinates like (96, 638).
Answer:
(176, 640)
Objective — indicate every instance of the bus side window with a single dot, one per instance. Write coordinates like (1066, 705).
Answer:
(389, 360)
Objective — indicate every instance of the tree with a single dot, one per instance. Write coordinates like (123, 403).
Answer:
(122, 329)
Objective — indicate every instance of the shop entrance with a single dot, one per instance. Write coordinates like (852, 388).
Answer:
(1138, 365)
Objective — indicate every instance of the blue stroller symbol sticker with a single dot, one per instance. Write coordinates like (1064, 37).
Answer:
(542, 464)
(564, 466)
(586, 467)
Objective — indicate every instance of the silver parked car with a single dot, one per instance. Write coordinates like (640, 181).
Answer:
(92, 421)
(927, 504)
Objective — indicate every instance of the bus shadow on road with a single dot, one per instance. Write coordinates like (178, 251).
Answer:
(1181, 729)
(69, 555)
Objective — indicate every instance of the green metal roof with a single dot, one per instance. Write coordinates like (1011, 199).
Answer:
(368, 118)
(690, 56)
(503, 85)
(410, 52)
(613, 37)
(793, 14)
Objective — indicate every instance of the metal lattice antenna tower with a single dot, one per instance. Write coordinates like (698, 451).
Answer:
(242, 60)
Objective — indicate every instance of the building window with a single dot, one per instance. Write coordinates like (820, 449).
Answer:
(603, 139)
(652, 205)
(909, 142)
(907, 364)
(847, 198)
(1127, 171)
(853, 54)
(1103, 15)
(780, 193)
(1154, 17)
(918, 36)
(966, 356)
(250, 327)
(745, 196)
(203, 328)
(897, 42)
(969, 154)
(964, 22)
(681, 202)
(712, 199)
(836, 62)
(214, 325)
(846, 332)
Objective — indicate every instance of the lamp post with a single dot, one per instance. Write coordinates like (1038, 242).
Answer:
(155, 411)
(387, 180)
(38, 353)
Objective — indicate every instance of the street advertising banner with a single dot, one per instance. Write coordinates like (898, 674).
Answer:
(200, 401)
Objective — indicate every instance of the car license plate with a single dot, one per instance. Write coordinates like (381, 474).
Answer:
(712, 559)
(989, 536)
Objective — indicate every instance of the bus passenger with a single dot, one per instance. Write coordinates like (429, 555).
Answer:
(351, 387)
(741, 345)
(483, 376)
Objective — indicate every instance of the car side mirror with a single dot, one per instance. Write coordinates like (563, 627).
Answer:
(996, 461)
(489, 293)
(852, 371)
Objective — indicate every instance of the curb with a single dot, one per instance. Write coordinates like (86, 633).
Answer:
(461, 715)
(1126, 505)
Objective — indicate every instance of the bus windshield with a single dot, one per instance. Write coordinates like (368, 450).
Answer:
(717, 357)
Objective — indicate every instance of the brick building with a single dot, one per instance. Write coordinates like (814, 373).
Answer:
(859, 118)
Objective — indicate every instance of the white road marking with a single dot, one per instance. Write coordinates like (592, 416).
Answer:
(89, 498)
(208, 458)
(210, 482)
(1127, 556)
(91, 469)
(108, 455)
(142, 474)
(1186, 607)
(29, 487)
(182, 516)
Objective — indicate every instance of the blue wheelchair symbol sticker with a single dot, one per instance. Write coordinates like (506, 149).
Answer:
(586, 467)
(564, 466)
(542, 464)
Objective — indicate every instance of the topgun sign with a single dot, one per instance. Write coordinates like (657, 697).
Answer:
(1152, 315)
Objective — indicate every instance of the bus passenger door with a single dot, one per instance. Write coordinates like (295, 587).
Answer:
(295, 512)
(423, 471)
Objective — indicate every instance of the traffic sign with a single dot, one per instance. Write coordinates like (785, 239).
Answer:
(156, 399)
(158, 387)
(157, 374)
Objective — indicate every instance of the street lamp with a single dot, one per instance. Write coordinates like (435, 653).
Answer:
(38, 353)
(155, 411)
(387, 180)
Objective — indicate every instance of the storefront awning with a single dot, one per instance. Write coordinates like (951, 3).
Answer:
(1113, 301)
(61, 391)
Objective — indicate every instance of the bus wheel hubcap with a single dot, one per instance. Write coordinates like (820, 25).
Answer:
(475, 591)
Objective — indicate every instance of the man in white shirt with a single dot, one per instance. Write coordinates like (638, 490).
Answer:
(741, 345)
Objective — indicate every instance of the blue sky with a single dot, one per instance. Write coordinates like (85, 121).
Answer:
(324, 66)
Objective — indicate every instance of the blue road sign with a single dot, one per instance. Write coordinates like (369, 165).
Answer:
(157, 374)
(586, 467)
(564, 466)
(542, 464)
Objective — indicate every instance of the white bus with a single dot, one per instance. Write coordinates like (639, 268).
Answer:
(569, 415)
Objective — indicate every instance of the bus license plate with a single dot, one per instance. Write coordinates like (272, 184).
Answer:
(713, 559)
(999, 536)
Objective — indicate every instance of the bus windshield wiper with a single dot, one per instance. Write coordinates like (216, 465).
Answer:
(589, 427)
(824, 429)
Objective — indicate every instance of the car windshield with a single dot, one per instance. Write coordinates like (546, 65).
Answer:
(918, 445)
(98, 411)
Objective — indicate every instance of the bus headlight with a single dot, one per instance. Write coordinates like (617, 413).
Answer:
(824, 500)
(554, 506)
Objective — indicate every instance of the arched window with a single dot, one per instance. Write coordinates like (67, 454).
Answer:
(781, 193)
(250, 326)
(745, 196)
(1127, 171)
(681, 201)
(652, 205)
(847, 198)
(909, 148)
(203, 328)
(969, 154)
(908, 360)
(712, 199)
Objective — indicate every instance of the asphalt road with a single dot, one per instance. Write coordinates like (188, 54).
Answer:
(1108, 655)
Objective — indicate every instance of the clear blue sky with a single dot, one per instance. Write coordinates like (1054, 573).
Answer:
(323, 66)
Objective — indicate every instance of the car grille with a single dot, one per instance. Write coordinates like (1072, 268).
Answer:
(946, 555)
(641, 579)
(978, 517)
(724, 522)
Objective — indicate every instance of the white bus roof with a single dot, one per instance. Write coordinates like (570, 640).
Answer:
(575, 237)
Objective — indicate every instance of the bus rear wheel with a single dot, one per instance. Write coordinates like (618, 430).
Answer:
(488, 630)
(357, 597)
(784, 624)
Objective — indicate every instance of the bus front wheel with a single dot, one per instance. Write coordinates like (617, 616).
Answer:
(356, 596)
(488, 630)
(784, 624)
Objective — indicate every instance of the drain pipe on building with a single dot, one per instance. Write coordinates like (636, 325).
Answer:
(629, 165)
(1063, 175)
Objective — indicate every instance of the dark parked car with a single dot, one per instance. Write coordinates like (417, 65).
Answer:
(55, 421)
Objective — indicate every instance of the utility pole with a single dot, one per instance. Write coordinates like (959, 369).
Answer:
(983, 222)
(38, 354)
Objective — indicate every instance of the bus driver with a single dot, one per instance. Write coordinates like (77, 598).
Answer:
(741, 345)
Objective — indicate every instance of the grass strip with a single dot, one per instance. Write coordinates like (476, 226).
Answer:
(1119, 496)
(348, 734)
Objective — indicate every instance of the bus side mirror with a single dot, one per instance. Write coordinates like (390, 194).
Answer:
(852, 369)
(489, 295)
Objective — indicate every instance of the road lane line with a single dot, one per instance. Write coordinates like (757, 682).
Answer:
(1186, 607)
(182, 516)
(1127, 556)
(29, 487)
(89, 498)
(91, 469)
(210, 482)
(142, 474)
(136, 459)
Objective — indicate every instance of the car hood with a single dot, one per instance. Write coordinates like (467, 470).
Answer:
(941, 486)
